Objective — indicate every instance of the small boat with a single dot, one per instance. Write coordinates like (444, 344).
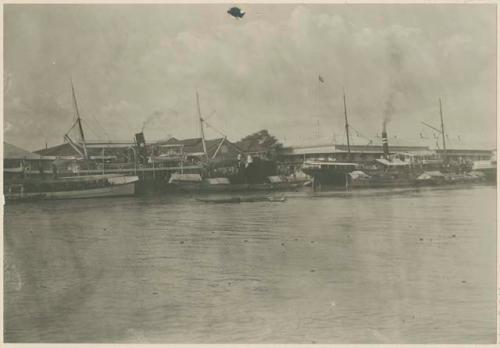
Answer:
(91, 186)
(220, 200)
(240, 199)
(431, 178)
(464, 178)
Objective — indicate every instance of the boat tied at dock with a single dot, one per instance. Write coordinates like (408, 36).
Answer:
(88, 186)
(20, 186)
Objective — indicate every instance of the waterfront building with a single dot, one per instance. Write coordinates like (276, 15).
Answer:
(19, 162)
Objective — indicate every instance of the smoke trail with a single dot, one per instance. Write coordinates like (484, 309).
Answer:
(396, 60)
(157, 115)
(389, 109)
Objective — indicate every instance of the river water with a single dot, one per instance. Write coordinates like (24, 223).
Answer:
(406, 266)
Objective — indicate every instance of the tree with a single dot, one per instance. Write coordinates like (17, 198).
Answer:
(261, 143)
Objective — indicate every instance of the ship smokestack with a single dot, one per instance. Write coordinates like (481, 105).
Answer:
(141, 144)
(385, 143)
(140, 140)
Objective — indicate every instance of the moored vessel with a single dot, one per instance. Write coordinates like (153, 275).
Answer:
(90, 186)
(246, 171)
(194, 183)
(331, 172)
(487, 168)
(20, 186)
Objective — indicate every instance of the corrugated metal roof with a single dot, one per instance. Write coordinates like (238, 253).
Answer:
(63, 150)
(308, 150)
(13, 152)
(194, 146)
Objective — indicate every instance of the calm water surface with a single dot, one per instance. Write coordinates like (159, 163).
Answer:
(367, 267)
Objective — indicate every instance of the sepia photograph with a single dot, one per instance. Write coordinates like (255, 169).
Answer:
(250, 173)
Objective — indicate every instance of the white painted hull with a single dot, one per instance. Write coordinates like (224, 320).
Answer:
(127, 189)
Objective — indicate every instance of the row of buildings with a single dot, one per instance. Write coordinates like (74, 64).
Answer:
(160, 158)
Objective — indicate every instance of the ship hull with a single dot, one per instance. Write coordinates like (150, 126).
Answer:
(109, 191)
(80, 187)
(329, 176)
(201, 188)
(382, 183)
(490, 174)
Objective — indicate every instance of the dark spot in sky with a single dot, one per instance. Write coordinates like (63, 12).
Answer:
(236, 12)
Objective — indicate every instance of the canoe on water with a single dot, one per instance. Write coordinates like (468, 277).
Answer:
(242, 199)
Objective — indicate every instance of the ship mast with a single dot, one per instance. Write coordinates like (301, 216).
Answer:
(347, 129)
(201, 126)
(442, 129)
(79, 121)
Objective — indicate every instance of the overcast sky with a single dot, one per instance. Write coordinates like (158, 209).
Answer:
(132, 63)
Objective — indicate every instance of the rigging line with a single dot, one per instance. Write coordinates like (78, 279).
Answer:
(215, 129)
(211, 115)
(92, 129)
(359, 133)
(73, 126)
(104, 132)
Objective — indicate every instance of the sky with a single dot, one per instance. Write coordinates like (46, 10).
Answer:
(139, 66)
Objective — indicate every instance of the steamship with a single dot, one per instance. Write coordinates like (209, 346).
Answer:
(390, 171)
(387, 171)
(331, 172)
(247, 176)
(71, 187)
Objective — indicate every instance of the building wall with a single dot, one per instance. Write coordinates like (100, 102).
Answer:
(298, 155)
(339, 156)
(467, 155)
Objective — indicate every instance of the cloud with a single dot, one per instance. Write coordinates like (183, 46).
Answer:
(260, 72)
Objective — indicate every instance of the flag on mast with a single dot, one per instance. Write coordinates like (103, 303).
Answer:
(321, 79)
